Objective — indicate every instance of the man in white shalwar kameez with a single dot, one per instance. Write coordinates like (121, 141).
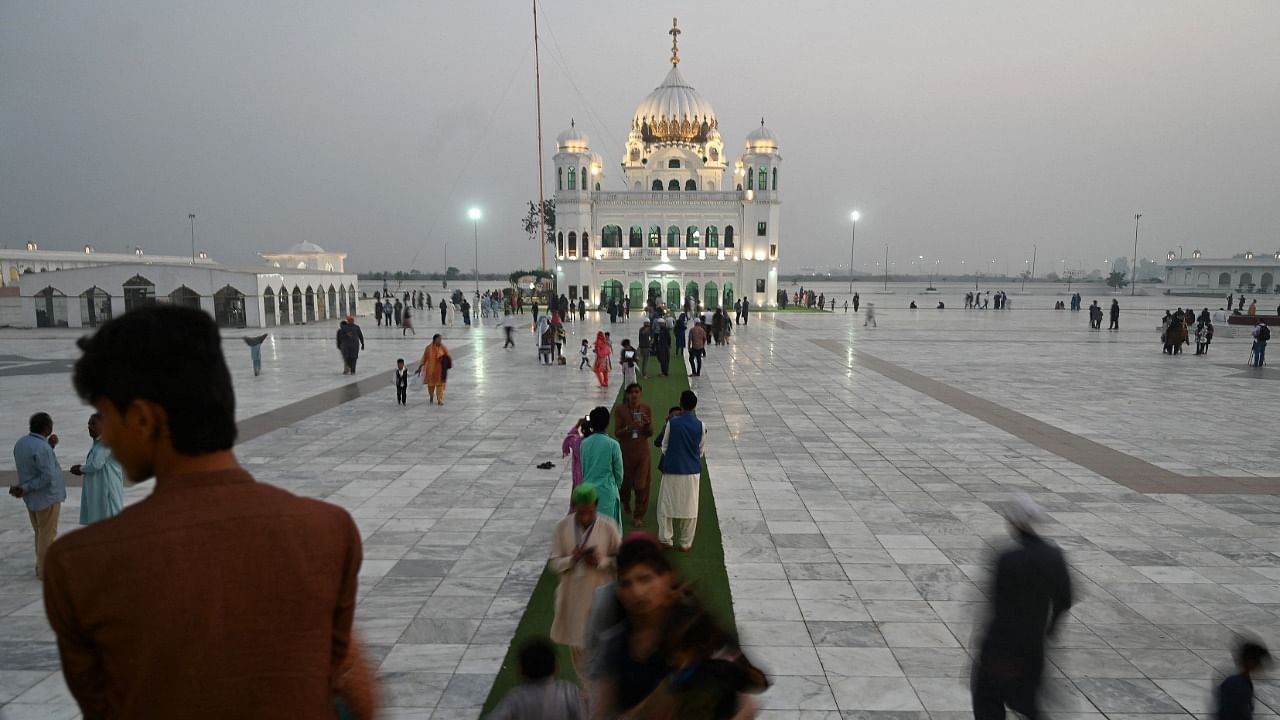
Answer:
(682, 450)
(583, 547)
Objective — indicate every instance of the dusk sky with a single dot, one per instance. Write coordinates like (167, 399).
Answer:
(960, 130)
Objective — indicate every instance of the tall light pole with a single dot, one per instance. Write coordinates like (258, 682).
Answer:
(474, 214)
(853, 239)
(1133, 281)
(192, 218)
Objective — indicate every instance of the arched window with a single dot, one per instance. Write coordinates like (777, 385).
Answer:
(673, 163)
(728, 236)
(657, 186)
(775, 179)
(691, 236)
(51, 308)
(138, 292)
(269, 306)
(612, 236)
(655, 236)
(311, 305)
(573, 178)
(1224, 280)
(573, 244)
(1246, 280)
(690, 185)
(711, 296)
(586, 244)
(297, 305)
(284, 305)
(584, 177)
(228, 307)
(739, 187)
(673, 186)
(751, 182)
(184, 296)
(764, 179)
(342, 301)
(597, 187)
(559, 178)
(713, 237)
(715, 154)
(673, 237)
(635, 154)
(635, 238)
(560, 244)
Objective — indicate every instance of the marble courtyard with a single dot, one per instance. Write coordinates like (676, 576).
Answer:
(857, 473)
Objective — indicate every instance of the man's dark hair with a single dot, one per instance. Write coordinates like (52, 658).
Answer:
(632, 386)
(599, 419)
(688, 400)
(168, 355)
(537, 659)
(40, 423)
(1251, 655)
(643, 550)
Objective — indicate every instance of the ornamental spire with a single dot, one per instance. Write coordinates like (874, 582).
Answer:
(674, 32)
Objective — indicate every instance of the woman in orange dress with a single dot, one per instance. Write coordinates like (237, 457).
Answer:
(434, 369)
(601, 366)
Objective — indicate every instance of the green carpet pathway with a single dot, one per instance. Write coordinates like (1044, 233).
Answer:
(703, 565)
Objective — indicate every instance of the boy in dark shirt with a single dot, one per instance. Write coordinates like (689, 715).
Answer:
(402, 383)
(1234, 697)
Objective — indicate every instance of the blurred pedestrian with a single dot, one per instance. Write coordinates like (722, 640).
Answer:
(1233, 698)
(1031, 590)
(583, 547)
(540, 696)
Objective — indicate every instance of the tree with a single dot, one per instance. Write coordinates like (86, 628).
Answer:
(530, 221)
(452, 273)
(1116, 280)
(1051, 277)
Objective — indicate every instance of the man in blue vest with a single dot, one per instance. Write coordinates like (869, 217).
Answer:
(681, 466)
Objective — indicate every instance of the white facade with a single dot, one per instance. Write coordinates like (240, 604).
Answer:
(687, 228)
(236, 297)
(15, 263)
(306, 256)
(1252, 273)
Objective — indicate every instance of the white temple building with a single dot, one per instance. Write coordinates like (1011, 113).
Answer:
(688, 228)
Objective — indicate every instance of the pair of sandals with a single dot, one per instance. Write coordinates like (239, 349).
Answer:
(546, 465)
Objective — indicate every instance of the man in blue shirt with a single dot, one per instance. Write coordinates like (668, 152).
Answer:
(682, 448)
(40, 483)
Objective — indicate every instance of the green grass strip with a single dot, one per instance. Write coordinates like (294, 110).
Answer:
(703, 565)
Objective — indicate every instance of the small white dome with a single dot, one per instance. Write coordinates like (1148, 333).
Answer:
(573, 139)
(305, 247)
(762, 138)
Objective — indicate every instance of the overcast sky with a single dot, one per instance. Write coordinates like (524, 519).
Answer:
(961, 130)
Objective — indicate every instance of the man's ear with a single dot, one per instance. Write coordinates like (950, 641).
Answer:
(147, 419)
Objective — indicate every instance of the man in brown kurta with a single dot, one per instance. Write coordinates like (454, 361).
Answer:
(216, 596)
(633, 426)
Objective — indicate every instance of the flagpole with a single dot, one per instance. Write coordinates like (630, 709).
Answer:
(537, 84)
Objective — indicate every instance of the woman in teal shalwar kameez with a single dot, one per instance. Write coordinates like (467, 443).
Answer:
(602, 465)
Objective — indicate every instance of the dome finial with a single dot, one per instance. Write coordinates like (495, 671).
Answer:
(761, 122)
(674, 32)
(572, 125)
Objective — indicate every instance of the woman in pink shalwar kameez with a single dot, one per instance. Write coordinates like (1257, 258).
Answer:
(570, 446)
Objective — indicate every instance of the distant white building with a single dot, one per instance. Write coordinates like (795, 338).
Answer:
(681, 231)
(67, 289)
(306, 256)
(1252, 273)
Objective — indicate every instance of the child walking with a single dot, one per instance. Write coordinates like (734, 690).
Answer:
(582, 352)
(402, 383)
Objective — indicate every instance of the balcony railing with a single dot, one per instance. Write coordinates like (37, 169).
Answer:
(656, 254)
(674, 196)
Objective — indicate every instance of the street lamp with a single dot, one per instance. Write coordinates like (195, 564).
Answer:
(853, 239)
(192, 218)
(1133, 280)
(474, 214)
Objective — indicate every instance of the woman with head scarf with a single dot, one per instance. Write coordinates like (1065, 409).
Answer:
(434, 369)
(583, 547)
(601, 366)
